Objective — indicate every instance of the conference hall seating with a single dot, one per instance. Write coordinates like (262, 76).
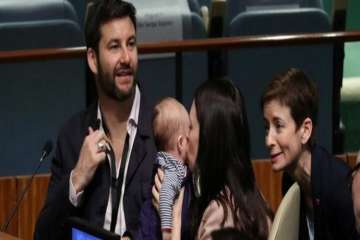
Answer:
(37, 96)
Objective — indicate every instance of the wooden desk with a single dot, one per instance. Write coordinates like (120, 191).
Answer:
(5, 236)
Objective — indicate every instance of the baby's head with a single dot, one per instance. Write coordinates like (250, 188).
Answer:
(171, 127)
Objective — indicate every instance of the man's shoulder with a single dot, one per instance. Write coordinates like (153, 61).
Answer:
(329, 163)
(146, 106)
(145, 116)
(78, 122)
(332, 178)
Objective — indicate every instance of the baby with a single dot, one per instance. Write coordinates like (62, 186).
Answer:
(171, 127)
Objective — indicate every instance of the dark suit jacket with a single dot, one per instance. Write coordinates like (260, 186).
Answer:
(139, 178)
(150, 226)
(331, 196)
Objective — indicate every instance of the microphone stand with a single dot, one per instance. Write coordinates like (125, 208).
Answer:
(24, 191)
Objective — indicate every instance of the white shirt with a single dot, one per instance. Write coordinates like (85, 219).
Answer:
(132, 123)
(310, 225)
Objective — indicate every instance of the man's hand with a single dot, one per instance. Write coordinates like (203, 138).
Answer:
(90, 158)
(156, 188)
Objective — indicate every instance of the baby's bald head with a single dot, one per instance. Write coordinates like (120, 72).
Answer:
(170, 121)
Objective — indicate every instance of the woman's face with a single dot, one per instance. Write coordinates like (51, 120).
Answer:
(193, 138)
(283, 139)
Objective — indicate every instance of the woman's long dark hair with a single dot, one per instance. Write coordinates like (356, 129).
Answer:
(223, 159)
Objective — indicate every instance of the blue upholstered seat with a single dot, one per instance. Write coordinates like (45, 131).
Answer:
(236, 7)
(36, 97)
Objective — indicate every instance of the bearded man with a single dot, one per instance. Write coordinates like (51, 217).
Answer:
(103, 165)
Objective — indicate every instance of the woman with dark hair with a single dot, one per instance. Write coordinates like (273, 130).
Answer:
(229, 234)
(225, 191)
(290, 106)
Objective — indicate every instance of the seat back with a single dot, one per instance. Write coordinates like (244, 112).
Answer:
(36, 10)
(80, 8)
(37, 96)
(287, 218)
(194, 6)
(205, 3)
(236, 7)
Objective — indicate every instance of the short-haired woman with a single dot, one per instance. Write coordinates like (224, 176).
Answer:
(290, 106)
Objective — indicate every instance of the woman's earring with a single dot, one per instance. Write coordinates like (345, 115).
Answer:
(196, 182)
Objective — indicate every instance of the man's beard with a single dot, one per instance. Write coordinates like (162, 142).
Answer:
(108, 86)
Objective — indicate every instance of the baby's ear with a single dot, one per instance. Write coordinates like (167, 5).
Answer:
(180, 141)
(181, 144)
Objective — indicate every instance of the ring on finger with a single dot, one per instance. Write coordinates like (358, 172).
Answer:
(101, 146)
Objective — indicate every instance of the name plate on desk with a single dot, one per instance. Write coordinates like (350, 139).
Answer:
(160, 20)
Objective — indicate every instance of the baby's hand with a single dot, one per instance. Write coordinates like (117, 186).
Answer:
(166, 235)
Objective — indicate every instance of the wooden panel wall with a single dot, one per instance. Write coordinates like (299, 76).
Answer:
(268, 181)
(351, 158)
(23, 223)
(33, 202)
(8, 194)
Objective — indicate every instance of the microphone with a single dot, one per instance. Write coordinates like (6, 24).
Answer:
(45, 152)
